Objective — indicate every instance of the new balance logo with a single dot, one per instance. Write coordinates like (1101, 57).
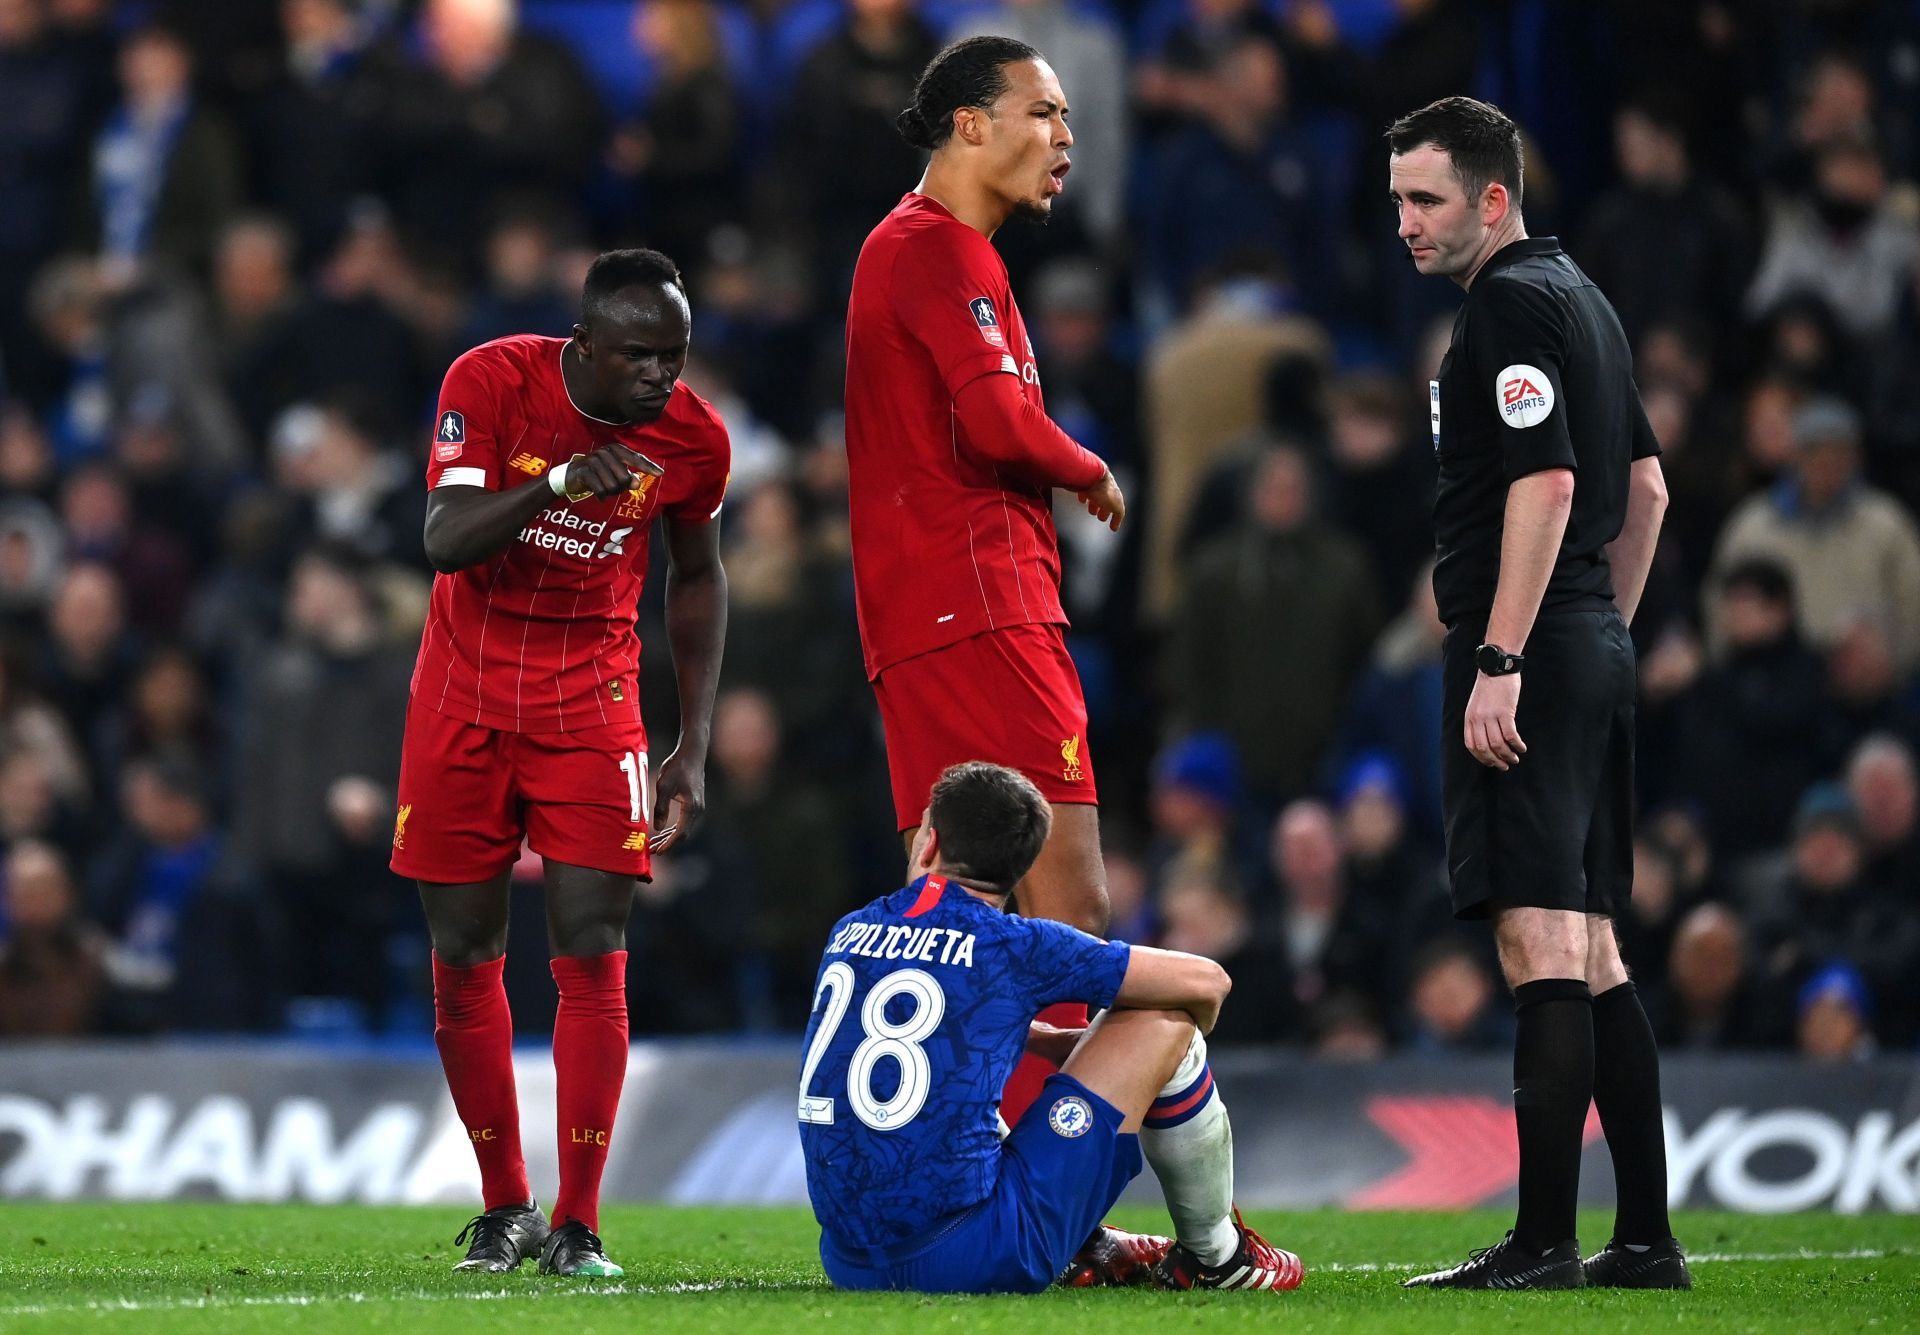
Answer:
(530, 464)
(636, 843)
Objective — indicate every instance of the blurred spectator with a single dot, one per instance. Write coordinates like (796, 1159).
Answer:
(1205, 394)
(53, 977)
(683, 150)
(844, 164)
(1236, 187)
(1334, 944)
(1204, 917)
(352, 332)
(1379, 483)
(1094, 394)
(1846, 240)
(521, 295)
(43, 120)
(1087, 52)
(169, 713)
(32, 548)
(1818, 905)
(1295, 598)
(1393, 705)
(1885, 790)
(255, 293)
(1133, 915)
(316, 128)
(1346, 1030)
(483, 107)
(192, 947)
(1759, 726)
(152, 565)
(344, 489)
(89, 659)
(1194, 802)
(1853, 552)
(1663, 242)
(1453, 1003)
(1835, 1010)
(1711, 1000)
(782, 586)
(788, 832)
(166, 170)
(316, 751)
(1646, 930)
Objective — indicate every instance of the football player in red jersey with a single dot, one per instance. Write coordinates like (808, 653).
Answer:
(550, 460)
(953, 463)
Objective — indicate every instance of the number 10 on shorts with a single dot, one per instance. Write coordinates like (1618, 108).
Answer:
(633, 764)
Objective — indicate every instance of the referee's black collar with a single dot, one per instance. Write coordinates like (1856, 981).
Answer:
(1517, 250)
(1514, 251)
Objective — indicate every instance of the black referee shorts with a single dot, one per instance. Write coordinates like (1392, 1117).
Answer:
(1556, 830)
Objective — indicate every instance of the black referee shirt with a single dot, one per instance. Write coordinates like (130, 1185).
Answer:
(1538, 376)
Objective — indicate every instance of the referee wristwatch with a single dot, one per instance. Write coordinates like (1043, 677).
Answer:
(1494, 661)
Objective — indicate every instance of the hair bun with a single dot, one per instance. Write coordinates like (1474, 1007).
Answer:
(913, 128)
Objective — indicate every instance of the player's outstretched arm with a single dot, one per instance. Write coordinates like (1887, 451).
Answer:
(697, 634)
(1172, 980)
(468, 525)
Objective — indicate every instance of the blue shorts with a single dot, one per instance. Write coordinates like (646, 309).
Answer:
(1060, 1172)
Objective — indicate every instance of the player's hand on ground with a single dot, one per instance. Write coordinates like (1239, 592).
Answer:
(608, 471)
(680, 799)
(1052, 1043)
(1490, 731)
(1104, 501)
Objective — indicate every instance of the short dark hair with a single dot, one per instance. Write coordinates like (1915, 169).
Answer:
(970, 73)
(1757, 574)
(1479, 139)
(614, 271)
(991, 822)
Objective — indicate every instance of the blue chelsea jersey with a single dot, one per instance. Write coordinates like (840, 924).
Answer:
(920, 1013)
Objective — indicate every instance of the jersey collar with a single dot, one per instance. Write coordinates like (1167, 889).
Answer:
(931, 889)
(1513, 252)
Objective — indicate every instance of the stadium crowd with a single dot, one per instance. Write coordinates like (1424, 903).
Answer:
(239, 243)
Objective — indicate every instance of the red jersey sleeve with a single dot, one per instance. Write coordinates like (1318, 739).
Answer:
(709, 491)
(951, 302)
(466, 431)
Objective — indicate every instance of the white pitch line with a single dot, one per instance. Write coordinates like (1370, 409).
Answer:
(722, 1286)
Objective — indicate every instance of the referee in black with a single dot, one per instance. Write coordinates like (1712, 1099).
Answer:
(1547, 506)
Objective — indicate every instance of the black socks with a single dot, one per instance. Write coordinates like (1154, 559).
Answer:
(1553, 1082)
(1626, 1089)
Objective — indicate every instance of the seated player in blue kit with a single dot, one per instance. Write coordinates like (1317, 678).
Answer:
(925, 1001)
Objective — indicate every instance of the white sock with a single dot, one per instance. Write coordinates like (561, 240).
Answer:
(1188, 1139)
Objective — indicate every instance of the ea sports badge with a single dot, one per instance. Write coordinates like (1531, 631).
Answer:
(1070, 1117)
(449, 437)
(1524, 395)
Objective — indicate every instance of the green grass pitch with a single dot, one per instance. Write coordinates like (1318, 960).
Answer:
(193, 1267)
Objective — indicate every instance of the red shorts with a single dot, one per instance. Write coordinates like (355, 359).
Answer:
(1009, 696)
(469, 794)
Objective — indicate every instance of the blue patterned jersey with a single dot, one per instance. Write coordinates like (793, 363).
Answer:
(920, 1012)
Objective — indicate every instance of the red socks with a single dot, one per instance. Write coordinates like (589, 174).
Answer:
(1023, 1086)
(590, 1067)
(474, 1033)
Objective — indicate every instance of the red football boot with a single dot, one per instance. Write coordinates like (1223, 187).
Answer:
(1115, 1259)
(1257, 1265)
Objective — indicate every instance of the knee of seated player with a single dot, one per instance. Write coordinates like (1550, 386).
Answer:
(1129, 1055)
(1539, 943)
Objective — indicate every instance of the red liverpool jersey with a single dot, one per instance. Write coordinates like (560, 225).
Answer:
(541, 638)
(946, 543)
